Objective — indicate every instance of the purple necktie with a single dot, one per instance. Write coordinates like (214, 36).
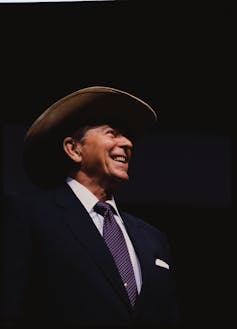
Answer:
(115, 241)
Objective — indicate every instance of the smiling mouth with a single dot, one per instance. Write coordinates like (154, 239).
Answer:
(120, 158)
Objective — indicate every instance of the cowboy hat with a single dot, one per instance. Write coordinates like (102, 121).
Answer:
(43, 156)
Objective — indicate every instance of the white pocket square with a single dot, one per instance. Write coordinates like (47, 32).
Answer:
(161, 263)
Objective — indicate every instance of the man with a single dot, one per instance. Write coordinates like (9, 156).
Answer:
(72, 258)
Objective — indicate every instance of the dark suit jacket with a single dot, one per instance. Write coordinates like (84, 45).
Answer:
(58, 272)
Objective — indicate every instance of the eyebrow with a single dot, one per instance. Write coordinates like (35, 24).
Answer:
(113, 127)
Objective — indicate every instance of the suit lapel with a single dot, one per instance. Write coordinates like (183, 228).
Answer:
(138, 238)
(86, 233)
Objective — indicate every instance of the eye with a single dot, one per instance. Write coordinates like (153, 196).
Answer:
(110, 132)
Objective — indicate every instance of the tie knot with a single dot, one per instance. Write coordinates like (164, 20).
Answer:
(103, 207)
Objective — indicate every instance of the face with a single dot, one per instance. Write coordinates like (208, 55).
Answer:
(104, 154)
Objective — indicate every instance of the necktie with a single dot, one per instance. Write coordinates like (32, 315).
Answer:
(115, 241)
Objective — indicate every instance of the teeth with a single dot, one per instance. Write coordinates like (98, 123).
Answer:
(120, 158)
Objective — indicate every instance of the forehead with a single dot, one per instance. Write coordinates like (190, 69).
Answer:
(100, 129)
(103, 128)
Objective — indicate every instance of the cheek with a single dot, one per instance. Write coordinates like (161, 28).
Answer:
(92, 156)
(97, 152)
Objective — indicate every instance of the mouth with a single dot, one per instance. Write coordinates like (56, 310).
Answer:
(120, 158)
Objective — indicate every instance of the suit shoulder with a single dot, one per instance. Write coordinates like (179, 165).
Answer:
(24, 197)
(143, 224)
(25, 201)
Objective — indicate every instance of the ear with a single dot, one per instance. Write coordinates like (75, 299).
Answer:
(72, 149)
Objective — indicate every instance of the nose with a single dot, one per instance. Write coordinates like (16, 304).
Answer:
(124, 142)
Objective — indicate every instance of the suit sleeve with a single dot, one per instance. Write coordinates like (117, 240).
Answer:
(15, 263)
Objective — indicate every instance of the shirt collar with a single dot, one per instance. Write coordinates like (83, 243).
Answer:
(87, 198)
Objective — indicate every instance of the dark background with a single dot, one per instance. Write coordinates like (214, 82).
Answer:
(179, 60)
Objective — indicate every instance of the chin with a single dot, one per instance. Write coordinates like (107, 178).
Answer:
(118, 179)
(122, 178)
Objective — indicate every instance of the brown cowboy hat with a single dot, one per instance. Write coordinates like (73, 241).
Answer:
(43, 156)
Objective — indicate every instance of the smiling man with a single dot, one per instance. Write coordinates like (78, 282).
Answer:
(102, 155)
(72, 258)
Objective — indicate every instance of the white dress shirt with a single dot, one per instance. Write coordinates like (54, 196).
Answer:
(88, 199)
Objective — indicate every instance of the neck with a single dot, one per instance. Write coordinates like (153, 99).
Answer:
(102, 191)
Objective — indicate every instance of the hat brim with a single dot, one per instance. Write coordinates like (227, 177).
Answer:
(42, 152)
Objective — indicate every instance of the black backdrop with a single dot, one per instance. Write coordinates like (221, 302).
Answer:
(178, 59)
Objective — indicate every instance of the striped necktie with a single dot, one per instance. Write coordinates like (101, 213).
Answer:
(115, 241)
